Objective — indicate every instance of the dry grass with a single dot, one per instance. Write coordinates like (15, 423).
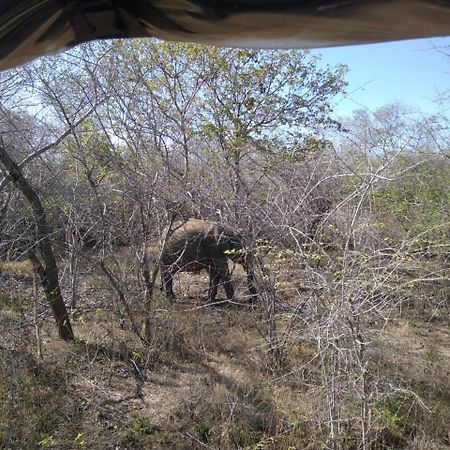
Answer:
(207, 381)
(17, 267)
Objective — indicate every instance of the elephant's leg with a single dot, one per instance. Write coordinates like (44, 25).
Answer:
(167, 283)
(147, 279)
(250, 279)
(224, 274)
(252, 286)
(214, 280)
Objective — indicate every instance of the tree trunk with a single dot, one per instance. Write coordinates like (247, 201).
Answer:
(48, 272)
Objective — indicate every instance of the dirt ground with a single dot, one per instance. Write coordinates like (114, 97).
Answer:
(207, 380)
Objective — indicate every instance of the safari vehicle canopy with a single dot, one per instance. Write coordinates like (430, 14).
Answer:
(30, 28)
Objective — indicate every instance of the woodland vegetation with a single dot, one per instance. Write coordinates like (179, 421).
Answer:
(348, 345)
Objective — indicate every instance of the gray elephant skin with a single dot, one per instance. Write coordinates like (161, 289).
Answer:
(197, 245)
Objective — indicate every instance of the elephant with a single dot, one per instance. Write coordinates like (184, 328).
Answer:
(196, 245)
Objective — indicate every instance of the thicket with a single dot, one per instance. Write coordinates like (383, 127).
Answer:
(350, 220)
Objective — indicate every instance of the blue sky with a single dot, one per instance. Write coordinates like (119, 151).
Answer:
(411, 72)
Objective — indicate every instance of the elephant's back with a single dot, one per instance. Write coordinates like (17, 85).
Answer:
(197, 243)
(189, 243)
(190, 231)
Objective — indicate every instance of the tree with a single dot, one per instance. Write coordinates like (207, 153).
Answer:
(29, 143)
(47, 270)
(145, 131)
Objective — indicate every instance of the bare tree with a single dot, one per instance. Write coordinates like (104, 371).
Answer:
(47, 269)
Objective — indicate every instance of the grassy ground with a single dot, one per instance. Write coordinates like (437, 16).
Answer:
(208, 380)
